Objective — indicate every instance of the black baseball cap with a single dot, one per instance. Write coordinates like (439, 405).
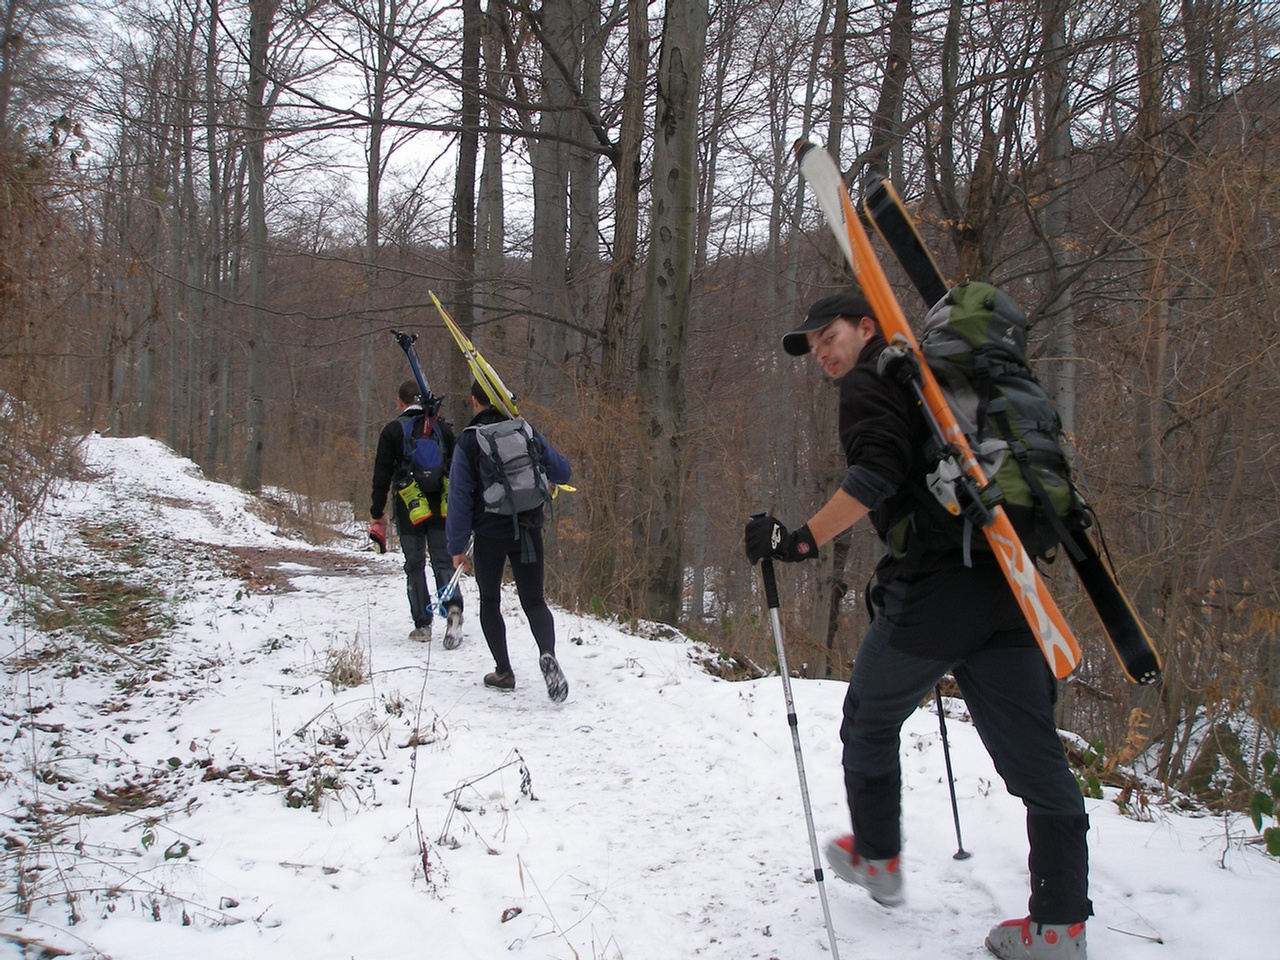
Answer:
(848, 305)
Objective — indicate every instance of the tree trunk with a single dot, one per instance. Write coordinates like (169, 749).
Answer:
(584, 182)
(490, 220)
(827, 466)
(548, 293)
(372, 233)
(464, 185)
(603, 506)
(1060, 373)
(664, 321)
(886, 122)
(261, 14)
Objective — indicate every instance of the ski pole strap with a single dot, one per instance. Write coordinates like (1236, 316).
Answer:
(999, 415)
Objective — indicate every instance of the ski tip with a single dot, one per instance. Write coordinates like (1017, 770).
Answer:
(801, 148)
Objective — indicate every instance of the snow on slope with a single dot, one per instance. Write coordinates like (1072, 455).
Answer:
(654, 815)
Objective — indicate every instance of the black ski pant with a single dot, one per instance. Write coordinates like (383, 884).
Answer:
(965, 621)
(418, 544)
(489, 558)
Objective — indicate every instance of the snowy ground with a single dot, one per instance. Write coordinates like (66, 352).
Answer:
(217, 798)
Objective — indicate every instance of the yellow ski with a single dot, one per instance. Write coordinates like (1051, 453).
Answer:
(485, 375)
(488, 378)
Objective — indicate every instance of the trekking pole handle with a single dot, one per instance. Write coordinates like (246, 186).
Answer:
(766, 570)
(770, 583)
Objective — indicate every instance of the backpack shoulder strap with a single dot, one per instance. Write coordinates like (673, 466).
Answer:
(406, 425)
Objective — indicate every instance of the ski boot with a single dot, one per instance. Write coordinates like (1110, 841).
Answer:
(882, 878)
(1027, 940)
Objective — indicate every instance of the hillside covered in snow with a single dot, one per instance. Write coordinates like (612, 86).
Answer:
(221, 744)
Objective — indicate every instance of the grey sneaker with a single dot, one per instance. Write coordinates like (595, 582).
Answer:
(1027, 940)
(557, 685)
(882, 878)
(421, 633)
(453, 630)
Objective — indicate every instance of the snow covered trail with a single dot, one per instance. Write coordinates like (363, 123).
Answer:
(654, 815)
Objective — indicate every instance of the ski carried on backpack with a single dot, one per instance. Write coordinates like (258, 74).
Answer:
(1129, 640)
(1056, 641)
(491, 383)
(423, 470)
(405, 341)
(485, 375)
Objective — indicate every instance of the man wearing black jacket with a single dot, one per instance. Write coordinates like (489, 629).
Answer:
(419, 540)
(934, 610)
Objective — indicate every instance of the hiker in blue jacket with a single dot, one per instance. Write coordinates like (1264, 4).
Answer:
(477, 495)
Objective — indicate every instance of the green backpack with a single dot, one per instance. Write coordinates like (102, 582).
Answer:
(975, 342)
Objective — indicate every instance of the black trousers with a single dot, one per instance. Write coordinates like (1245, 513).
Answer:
(965, 621)
(489, 559)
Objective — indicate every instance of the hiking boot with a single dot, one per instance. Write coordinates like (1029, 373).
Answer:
(453, 630)
(1027, 940)
(421, 633)
(557, 685)
(882, 878)
(500, 681)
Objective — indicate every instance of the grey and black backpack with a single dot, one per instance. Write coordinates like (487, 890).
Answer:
(511, 476)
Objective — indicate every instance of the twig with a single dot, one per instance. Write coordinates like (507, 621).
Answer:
(1140, 936)
(554, 922)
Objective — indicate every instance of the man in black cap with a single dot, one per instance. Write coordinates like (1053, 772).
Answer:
(933, 611)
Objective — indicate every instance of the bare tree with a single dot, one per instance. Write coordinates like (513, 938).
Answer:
(664, 321)
(603, 507)
(261, 16)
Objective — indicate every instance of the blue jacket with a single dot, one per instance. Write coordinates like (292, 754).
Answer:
(466, 514)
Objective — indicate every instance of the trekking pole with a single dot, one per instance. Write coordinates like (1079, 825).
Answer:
(771, 597)
(445, 593)
(961, 853)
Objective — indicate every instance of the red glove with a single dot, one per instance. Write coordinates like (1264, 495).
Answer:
(378, 534)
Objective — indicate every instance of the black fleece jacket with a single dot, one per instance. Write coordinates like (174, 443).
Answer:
(884, 434)
(387, 462)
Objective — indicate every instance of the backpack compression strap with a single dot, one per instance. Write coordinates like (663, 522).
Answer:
(998, 412)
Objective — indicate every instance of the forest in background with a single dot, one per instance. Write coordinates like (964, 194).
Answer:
(214, 214)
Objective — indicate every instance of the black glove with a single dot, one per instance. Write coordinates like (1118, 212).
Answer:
(766, 537)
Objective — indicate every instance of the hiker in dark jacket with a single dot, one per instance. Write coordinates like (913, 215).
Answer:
(420, 540)
(932, 613)
(497, 539)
